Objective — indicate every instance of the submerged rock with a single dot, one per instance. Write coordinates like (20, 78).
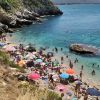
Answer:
(83, 49)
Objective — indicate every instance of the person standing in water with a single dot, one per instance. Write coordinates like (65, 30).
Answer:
(56, 50)
(61, 49)
(76, 60)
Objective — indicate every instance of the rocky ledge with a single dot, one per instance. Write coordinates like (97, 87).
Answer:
(16, 13)
(83, 49)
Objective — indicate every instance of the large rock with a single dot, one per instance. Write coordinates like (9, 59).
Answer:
(13, 21)
(83, 49)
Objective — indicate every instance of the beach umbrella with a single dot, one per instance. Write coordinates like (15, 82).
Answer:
(10, 48)
(55, 77)
(78, 82)
(52, 73)
(31, 49)
(21, 63)
(63, 65)
(30, 56)
(33, 76)
(64, 76)
(2, 44)
(93, 92)
(70, 71)
(34, 53)
(39, 60)
(43, 63)
(50, 54)
(61, 88)
(69, 92)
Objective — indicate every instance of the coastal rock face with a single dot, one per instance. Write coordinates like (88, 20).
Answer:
(15, 13)
(83, 49)
(42, 7)
(4, 28)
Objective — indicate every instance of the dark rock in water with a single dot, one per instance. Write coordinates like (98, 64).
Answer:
(83, 49)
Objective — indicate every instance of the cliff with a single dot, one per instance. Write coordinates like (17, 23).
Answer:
(15, 13)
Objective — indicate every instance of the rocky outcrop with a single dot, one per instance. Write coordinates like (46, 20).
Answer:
(4, 28)
(83, 49)
(42, 7)
(15, 13)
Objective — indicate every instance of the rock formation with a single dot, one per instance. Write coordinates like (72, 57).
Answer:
(83, 49)
(15, 13)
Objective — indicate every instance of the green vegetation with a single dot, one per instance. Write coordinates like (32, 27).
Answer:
(32, 92)
(13, 3)
(4, 59)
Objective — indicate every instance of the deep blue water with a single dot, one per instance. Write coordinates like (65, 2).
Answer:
(78, 24)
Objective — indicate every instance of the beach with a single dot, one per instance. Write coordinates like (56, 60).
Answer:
(61, 60)
(87, 77)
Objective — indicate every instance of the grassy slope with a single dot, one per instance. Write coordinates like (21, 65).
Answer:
(29, 4)
(12, 89)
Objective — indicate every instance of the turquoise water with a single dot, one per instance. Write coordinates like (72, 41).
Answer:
(78, 24)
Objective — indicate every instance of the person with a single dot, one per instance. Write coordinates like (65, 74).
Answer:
(82, 67)
(93, 72)
(61, 49)
(98, 66)
(70, 64)
(85, 96)
(81, 75)
(66, 56)
(97, 98)
(93, 65)
(56, 50)
(62, 59)
(76, 60)
(77, 89)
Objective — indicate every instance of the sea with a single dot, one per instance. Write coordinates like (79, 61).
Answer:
(80, 23)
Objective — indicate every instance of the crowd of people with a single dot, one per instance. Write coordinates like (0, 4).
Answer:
(40, 61)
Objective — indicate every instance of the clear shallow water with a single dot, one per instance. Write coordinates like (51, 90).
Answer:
(78, 24)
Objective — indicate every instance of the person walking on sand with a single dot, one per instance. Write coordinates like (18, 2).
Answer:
(77, 89)
(93, 72)
(82, 67)
(81, 74)
(85, 96)
(70, 64)
(62, 59)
